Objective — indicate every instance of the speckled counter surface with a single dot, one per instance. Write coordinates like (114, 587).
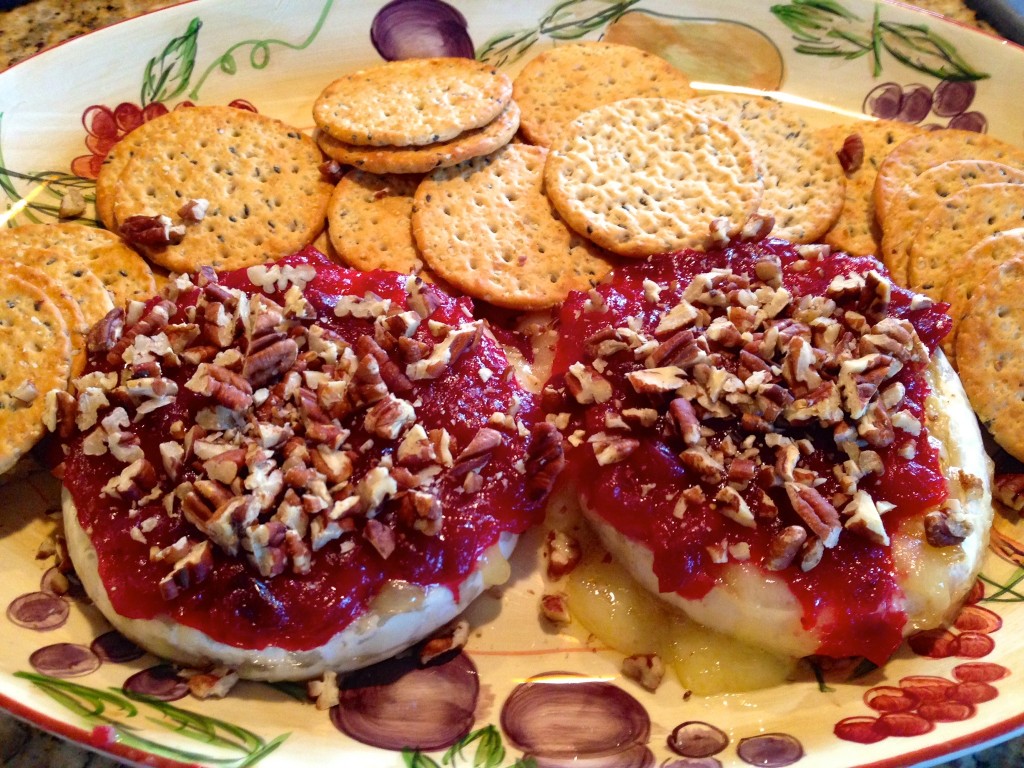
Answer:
(40, 24)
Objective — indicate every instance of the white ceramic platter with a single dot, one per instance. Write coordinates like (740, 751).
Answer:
(59, 113)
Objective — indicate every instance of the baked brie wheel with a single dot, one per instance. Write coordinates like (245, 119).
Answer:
(296, 467)
(770, 440)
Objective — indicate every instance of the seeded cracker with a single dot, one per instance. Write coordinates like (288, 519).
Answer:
(926, 190)
(988, 349)
(968, 275)
(949, 230)
(803, 181)
(856, 231)
(646, 176)
(124, 273)
(412, 102)
(35, 357)
(562, 82)
(921, 152)
(465, 146)
(75, 280)
(486, 227)
(260, 176)
(370, 221)
(62, 300)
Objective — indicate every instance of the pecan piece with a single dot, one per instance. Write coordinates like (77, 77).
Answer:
(851, 155)
(151, 231)
(645, 668)
(545, 459)
(267, 357)
(784, 547)
(477, 452)
(817, 512)
(1008, 489)
(942, 529)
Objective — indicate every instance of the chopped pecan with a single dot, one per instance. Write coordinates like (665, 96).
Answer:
(390, 417)
(194, 210)
(267, 357)
(684, 417)
(554, 606)
(422, 511)
(851, 155)
(707, 468)
(545, 459)
(151, 231)
(817, 512)
(647, 669)
(943, 529)
(446, 640)
(563, 553)
(1008, 489)
(225, 386)
(611, 449)
(190, 570)
(107, 332)
(477, 452)
(784, 547)
(586, 385)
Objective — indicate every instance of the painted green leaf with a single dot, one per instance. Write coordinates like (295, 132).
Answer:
(168, 74)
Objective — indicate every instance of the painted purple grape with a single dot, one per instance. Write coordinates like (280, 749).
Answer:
(408, 29)
(953, 97)
(558, 717)
(160, 682)
(41, 611)
(398, 704)
(115, 648)
(697, 739)
(694, 762)
(915, 104)
(883, 101)
(770, 750)
(969, 121)
(64, 660)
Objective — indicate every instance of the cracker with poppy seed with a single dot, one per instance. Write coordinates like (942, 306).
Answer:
(486, 227)
(259, 181)
(646, 176)
(564, 81)
(412, 102)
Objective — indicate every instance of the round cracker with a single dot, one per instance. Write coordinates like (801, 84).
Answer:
(562, 82)
(950, 229)
(966, 276)
(486, 227)
(76, 280)
(62, 300)
(465, 146)
(803, 181)
(123, 272)
(646, 176)
(35, 357)
(412, 101)
(856, 230)
(988, 350)
(932, 148)
(369, 220)
(925, 190)
(261, 177)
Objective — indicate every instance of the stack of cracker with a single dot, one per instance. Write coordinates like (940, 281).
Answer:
(58, 280)
(436, 188)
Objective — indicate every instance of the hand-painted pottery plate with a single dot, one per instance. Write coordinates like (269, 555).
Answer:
(519, 693)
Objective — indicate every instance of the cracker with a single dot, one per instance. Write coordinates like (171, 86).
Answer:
(966, 276)
(933, 148)
(646, 176)
(925, 190)
(803, 181)
(988, 350)
(369, 220)
(62, 300)
(123, 272)
(562, 82)
(949, 230)
(465, 146)
(855, 230)
(486, 227)
(76, 280)
(412, 101)
(261, 177)
(35, 357)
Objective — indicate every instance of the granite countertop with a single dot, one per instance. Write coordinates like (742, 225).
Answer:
(40, 24)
